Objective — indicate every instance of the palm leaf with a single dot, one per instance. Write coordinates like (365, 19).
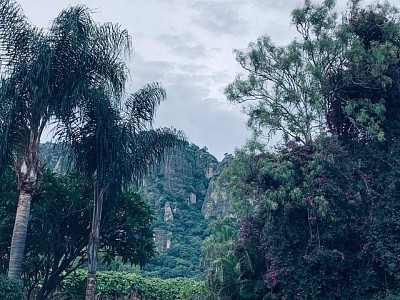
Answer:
(17, 37)
(141, 106)
(146, 149)
(89, 55)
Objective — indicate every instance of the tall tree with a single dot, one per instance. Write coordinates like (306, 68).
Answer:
(115, 148)
(286, 86)
(47, 75)
(338, 77)
(326, 211)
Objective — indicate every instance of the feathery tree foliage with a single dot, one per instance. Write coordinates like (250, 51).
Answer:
(320, 216)
(47, 75)
(288, 84)
(339, 77)
(74, 76)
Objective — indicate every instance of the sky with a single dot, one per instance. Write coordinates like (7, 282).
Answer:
(187, 45)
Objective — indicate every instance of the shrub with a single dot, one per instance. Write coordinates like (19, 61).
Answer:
(124, 285)
(10, 289)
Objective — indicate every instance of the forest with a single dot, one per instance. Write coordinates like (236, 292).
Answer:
(313, 216)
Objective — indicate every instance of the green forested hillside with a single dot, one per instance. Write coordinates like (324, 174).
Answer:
(176, 190)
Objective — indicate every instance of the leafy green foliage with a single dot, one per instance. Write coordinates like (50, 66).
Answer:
(323, 226)
(10, 289)
(218, 256)
(127, 285)
(183, 176)
(286, 85)
(319, 214)
(340, 77)
(59, 229)
(365, 105)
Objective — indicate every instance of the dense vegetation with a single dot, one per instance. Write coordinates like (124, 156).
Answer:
(59, 227)
(182, 177)
(128, 285)
(324, 224)
(183, 258)
(319, 213)
(10, 289)
(73, 76)
(316, 216)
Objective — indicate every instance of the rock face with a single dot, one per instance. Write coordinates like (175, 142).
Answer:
(53, 157)
(216, 202)
(184, 192)
(177, 190)
(192, 198)
(168, 215)
(162, 239)
(184, 174)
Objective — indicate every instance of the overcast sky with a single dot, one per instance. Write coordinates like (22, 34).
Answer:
(187, 45)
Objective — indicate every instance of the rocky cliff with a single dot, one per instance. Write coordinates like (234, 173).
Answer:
(177, 191)
(53, 156)
(216, 203)
(185, 192)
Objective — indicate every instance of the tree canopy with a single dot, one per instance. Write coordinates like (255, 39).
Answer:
(60, 225)
(73, 76)
(339, 77)
(319, 212)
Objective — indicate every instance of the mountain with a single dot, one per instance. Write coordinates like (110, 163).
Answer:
(177, 192)
(185, 192)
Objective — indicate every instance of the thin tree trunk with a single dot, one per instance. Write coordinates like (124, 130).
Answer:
(19, 235)
(94, 243)
(27, 171)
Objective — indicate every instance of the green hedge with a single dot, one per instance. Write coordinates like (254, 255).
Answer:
(10, 289)
(124, 285)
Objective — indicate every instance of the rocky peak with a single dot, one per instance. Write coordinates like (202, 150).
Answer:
(184, 192)
(216, 202)
(168, 215)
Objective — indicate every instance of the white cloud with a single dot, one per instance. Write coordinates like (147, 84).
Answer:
(220, 17)
(187, 45)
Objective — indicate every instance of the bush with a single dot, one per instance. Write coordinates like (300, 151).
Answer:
(124, 285)
(10, 289)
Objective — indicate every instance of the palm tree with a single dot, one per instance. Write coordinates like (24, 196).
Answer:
(115, 148)
(46, 77)
(218, 256)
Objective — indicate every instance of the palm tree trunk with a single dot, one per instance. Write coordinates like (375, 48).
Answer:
(27, 171)
(94, 243)
(19, 235)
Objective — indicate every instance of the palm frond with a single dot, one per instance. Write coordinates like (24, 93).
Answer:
(112, 45)
(93, 135)
(18, 37)
(86, 54)
(24, 102)
(141, 106)
(13, 128)
(148, 148)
